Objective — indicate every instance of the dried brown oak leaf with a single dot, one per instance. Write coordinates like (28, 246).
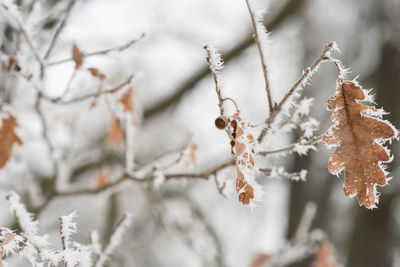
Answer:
(357, 135)
(77, 56)
(8, 138)
(325, 256)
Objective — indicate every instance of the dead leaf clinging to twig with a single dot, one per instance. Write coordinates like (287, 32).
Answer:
(8, 138)
(244, 159)
(128, 105)
(97, 73)
(325, 256)
(102, 178)
(116, 135)
(357, 135)
(77, 56)
(260, 260)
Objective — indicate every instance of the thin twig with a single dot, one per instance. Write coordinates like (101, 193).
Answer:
(59, 29)
(115, 89)
(302, 244)
(291, 147)
(176, 161)
(290, 8)
(307, 73)
(63, 243)
(294, 176)
(113, 240)
(69, 83)
(26, 36)
(216, 79)
(97, 53)
(220, 187)
(149, 178)
(46, 138)
(262, 55)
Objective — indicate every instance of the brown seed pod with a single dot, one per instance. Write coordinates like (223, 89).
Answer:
(221, 122)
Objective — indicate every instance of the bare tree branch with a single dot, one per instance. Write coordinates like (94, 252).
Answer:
(98, 53)
(307, 73)
(290, 8)
(149, 178)
(59, 29)
(115, 89)
(292, 146)
(257, 39)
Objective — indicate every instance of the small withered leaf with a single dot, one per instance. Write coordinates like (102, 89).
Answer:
(245, 190)
(116, 135)
(97, 73)
(102, 178)
(77, 56)
(325, 256)
(8, 138)
(259, 260)
(193, 148)
(8, 238)
(11, 65)
(126, 101)
(129, 106)
(357, 138)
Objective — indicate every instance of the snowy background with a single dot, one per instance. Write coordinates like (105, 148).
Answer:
(187, 222)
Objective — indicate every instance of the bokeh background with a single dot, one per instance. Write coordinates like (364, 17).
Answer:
(188, 223)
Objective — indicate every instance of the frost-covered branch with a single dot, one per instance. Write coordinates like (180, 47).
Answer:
(36, 248)
(298, 84)
(303, 244)
(115, 239)
(12, 12)
(280, 172)
(59, 28)
(189, 83)
(261, 38)
(147, 179)
(301, 147)
(216, 65)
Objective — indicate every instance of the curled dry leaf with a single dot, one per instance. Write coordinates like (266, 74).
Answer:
(259, 260)
(102, 178)
(101, 76)
(126, 101)
(97, 73)
(192, 147)
(116, 135)
(325, 256)
(8, 138)
(11, 65)
(128, 106)
(77, 56)
(357, 135)
(244, 160)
